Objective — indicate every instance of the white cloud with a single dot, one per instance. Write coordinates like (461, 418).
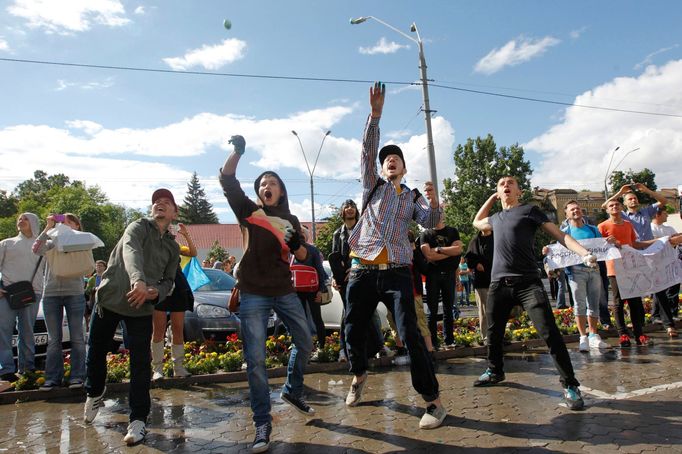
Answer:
(129, 163)
(95, 85)
(649, 58)
(576, 152)
(4, 45)
(383, 46)
(515, 52)
(140, 10)
(575, 34)
(67, 17)
(209, 57)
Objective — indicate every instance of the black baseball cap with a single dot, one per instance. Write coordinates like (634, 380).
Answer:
(391, 149)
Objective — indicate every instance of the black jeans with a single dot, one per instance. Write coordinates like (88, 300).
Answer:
(308, 299)
(394, 288)
(530, 293)
(664, 303)
(102, 330)
(636, 310)
(375, 338)
(441, 284)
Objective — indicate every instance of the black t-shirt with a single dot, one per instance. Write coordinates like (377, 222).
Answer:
(443, 237)
(480, 251)
(514, 231)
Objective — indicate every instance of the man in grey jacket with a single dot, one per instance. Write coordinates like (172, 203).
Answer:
(140, 273)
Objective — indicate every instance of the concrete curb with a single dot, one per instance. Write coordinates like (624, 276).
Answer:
(11, 397)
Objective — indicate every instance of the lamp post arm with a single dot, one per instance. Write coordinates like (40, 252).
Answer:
(303, 153)
(320, 150)
(394, 29)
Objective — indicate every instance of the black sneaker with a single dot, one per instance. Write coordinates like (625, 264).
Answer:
(10, 377)
(489, 378)
(401, 351)
(262, 441)
(573, 398)
(298, 404)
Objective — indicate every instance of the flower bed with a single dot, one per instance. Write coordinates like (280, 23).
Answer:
(212, 357)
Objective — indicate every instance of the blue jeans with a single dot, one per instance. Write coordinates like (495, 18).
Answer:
(587, 289)
(103, 325)
(53, 309)
(26, 318)
(561, 290)
(254, 313)
(394, 287)
(503, 295)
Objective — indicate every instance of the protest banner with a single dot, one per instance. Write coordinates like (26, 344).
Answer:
(560, 257)
(647, 271)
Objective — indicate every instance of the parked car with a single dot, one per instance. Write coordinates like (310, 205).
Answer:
(332, 312)
(40, 335)
(211, 320)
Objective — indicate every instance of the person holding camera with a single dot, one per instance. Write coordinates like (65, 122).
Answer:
(62, 294)
(17, 264)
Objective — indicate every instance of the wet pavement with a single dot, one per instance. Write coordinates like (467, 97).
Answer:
(632, 396)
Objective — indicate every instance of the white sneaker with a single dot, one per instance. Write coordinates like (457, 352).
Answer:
(385, 352)
(136, 432)
(584, 345)
(355, 392)
(157, 375)
(342, 356)
(597, 342)
(433, 417)
(92, 406)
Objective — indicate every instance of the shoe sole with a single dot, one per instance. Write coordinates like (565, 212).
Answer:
(260, 449)
(132, 442)
(292, 405)
(358, 394)
(483, 384)
(433, 425)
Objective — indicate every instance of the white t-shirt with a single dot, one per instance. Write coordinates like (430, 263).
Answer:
(662, 230)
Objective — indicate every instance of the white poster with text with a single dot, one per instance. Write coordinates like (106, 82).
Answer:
(648, 271)
(560, 257)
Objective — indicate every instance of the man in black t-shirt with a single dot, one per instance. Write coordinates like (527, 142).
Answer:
(479, 257)
(441, 248)
(515, 280)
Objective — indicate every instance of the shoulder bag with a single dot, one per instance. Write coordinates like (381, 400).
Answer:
(20, 294)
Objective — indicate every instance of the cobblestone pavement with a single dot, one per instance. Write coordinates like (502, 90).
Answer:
(632, 396)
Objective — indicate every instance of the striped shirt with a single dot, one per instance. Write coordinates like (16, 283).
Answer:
(385, 221)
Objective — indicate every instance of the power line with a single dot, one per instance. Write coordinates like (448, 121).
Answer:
(329, 79)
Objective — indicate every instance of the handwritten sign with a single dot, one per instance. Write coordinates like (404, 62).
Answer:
(560, 257)
(647, 271)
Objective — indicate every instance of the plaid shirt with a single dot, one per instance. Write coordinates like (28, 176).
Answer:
(385, 221)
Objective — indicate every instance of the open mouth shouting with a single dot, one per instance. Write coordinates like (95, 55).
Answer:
(267, 195)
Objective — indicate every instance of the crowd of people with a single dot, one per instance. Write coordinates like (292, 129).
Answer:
(374, 258)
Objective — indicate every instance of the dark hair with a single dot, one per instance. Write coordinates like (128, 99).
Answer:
(101, 262)
(661, 209)
(347, 203)
(570, 202)
(410, 236)
(75, 219)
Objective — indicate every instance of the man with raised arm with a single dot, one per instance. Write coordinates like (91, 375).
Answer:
(515, 279)
(382, 256)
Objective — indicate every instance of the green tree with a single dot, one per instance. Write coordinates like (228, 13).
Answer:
(644, 176)
(217, 253)
(8, 204)
(196, 209)
(479, 164)
(325, 235)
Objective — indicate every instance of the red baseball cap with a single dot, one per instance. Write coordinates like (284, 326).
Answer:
(160, 193)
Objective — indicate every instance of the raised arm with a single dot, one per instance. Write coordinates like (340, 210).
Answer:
(370, 140)
(660, 198)
(617, 195)
(230, 166)
(481, 220)
(188, 238)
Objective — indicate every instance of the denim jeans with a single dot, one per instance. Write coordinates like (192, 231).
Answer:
(604, 314)
(636, 310)
(561, 290)
(586, 288)
(530, 293)
(441, 284)
(254, 312)
(53, 309)
(393, 287)
(26, 318)
(103, 325)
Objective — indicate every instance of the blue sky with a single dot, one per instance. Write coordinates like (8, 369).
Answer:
(131, 131)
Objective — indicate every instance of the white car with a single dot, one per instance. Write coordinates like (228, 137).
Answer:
(40, 334)
(332, 312)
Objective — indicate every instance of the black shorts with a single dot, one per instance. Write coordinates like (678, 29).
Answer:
(170, 305)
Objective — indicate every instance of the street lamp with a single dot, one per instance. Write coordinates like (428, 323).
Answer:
(608, 173)
(425, 92)
(311, 173)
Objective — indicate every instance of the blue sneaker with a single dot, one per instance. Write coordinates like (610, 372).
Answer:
(489, 378)
(573, 398)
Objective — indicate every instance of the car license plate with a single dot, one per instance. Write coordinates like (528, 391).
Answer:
(39, 339)
(271, 323)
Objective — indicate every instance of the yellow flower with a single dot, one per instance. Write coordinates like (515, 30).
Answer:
(40, 381)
